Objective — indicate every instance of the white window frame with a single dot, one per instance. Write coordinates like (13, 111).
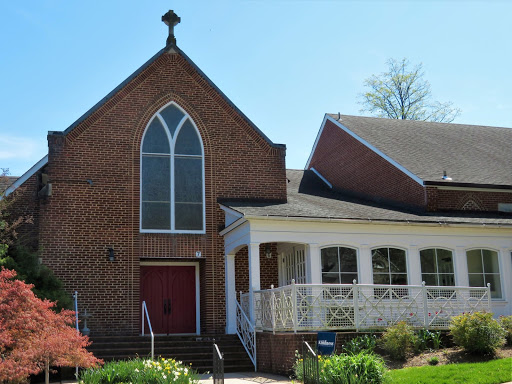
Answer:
(172, 143)
(407, 268)
(341, 246)
(500, 266)
(437, 273)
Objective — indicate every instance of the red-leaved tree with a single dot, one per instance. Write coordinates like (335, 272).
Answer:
(34, 338)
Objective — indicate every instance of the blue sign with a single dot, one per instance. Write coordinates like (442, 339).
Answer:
(326, 342)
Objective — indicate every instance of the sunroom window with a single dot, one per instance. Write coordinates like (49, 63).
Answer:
(483, 268)
(437, 267)
(339, 265)
(172, 182)
(389, 266)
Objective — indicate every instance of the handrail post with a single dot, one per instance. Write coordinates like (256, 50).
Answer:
(294, 306)
(425, 305)
(489, 296)
(273, 308)
(142, 313)
(355, 295)
(145, 312)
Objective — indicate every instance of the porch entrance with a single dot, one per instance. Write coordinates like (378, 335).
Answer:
(170, 295)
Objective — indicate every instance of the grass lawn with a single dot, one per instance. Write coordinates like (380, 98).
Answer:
(490, 372)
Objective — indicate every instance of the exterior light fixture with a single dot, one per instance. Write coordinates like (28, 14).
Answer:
(111, 256)
(268, 252)
(446, 177)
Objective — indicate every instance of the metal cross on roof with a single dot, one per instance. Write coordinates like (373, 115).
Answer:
(171, 19)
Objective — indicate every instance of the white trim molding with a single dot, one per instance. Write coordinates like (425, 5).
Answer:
(36, 167)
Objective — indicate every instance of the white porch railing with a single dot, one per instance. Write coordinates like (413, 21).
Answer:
(246, 332)
(308, 307)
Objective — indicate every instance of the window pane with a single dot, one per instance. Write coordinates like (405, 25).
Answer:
(429, 278)
(348, 278)
(155, 139)
(189, 216)
(156, 216)
(476, 280)
(188, 142)
(397, 260)
(427, 261)
(348, 260)
(188, 180)
(330, 260)
(474, 261)
(330, 278)
(447, 279)
(156, 178)
(490, 261)
(380, 279)
(172, 116)
(399, 279)
(380, 260)
(444, 261)
(495, 285)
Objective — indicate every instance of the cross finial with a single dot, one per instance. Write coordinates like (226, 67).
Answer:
(171, 19)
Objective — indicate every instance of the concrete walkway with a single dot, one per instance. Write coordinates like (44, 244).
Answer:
(247, 378)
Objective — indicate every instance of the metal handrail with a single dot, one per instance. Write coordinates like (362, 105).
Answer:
(218, 365)
(145, 311)
(252, 331)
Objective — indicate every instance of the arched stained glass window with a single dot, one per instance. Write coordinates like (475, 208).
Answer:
(172, 174)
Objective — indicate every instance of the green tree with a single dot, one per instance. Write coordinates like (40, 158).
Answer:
(402, 93)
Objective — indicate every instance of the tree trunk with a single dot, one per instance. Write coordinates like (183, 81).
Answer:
(47, 372)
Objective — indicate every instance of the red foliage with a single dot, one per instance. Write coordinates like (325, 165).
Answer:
(32, 336)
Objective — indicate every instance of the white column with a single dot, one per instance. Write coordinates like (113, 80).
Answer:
(414, 271)
(229, 276)
(313, 264)
(461, 267)
(506, 277)
(254, 276)
(365, 265)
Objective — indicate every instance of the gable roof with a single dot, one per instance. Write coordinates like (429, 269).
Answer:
(470, 154)
(310, 198)
(168, 49)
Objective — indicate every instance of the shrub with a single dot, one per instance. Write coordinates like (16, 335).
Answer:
(477, 332)
(361, 368)
(399, 340)
(365, 343)
(139, 371)
(434, 360)
(428, 339)
(506, 323)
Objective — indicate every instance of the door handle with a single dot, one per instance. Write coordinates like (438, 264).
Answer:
(169, 306)
(165, 308)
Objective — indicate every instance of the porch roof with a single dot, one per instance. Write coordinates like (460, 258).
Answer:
(309, 197)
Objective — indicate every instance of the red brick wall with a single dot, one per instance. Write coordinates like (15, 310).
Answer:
(80, 221)
(449, 200)
(269, 273)
(349, 165)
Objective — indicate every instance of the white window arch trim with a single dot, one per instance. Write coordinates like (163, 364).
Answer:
(504, 294)
(358, 255)
(455, 261)
(172, 142)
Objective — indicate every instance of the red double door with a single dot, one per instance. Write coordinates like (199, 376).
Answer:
(170, 296)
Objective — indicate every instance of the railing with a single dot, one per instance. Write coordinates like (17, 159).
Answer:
(308, 307)
(218, 365)
(145, 313)
(246, 332)
(310, 372)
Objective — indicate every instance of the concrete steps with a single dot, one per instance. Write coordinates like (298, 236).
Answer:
(195, 350)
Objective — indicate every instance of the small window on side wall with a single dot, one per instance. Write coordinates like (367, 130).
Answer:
(483, 268)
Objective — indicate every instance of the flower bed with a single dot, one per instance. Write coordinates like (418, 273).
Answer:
(140, 371)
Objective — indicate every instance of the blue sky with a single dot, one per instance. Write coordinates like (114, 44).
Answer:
(283, 63)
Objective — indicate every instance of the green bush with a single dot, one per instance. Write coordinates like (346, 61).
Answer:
(428, 339)
(360, 343)
(434, 360)
(399, 340)
(139, 371)
(361, 368)
(477, 332)
(506, 323)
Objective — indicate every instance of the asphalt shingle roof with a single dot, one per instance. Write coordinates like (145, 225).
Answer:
(470, 154)
(309, 197)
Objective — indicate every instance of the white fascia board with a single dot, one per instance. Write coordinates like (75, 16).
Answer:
(370, 221)
(36, 167)
(316, 142)
(231, 211)
(322, 178)
(377, 151)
